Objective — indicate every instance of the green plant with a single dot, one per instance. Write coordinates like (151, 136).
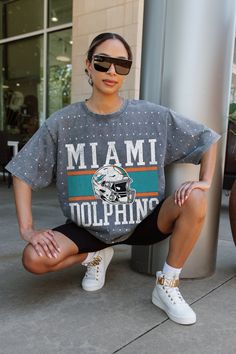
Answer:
(232, 117)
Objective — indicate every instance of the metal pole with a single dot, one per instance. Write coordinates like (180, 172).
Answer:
(195, 81)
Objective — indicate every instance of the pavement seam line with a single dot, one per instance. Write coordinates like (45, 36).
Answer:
(141, 335)
(167, 319)
(212, 290)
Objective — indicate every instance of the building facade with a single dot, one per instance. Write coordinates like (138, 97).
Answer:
(43, 46)
(183, 54)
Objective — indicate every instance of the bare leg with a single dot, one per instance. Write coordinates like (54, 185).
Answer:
(185, 223)
(66, 258)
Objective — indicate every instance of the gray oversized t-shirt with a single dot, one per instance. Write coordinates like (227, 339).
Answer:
(110, 168)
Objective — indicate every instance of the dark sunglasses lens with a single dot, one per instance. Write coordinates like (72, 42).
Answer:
(122, 66)
(121, 70)
(101, 66)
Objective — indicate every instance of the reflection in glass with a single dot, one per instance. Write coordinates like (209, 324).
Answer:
(20, 16)
(59, 70)
(59, 12)
(21, 83)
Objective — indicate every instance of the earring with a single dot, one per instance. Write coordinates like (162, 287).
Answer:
(90, 81)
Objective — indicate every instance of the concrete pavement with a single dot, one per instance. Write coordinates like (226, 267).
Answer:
(51, 313)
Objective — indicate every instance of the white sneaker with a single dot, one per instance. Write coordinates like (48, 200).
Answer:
(94, 278)
(166, 296)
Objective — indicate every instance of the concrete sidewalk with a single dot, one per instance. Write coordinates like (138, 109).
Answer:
(51, 314)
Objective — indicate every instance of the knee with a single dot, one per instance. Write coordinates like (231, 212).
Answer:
(197, 203)
(32, 262)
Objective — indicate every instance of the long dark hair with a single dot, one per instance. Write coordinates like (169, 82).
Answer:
(102, 37)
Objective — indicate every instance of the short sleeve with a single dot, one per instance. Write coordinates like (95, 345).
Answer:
(36, 161)
(187, 140)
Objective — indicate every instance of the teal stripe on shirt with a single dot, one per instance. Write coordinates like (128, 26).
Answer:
(143, 181)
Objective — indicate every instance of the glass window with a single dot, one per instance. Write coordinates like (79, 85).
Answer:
(59, 70)
(20, 16)
(21, 82)
(29, 91)
(59, 12)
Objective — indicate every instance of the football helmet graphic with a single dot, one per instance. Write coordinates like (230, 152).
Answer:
(111, 183)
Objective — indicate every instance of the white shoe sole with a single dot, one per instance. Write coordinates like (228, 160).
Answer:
(180, 320)
(107, 259)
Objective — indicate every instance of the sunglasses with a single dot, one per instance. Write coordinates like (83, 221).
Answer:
(103, 63)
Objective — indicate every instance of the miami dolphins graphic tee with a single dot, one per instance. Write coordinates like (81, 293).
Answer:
(110, 168)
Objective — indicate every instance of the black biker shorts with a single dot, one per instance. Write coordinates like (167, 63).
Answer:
(146, 233)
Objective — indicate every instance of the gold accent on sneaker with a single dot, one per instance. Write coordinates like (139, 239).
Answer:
(95, 261)
(172, 283)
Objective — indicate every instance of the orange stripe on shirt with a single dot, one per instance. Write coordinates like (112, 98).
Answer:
(147, 194)
(128, 169)
(87, 172)
(138, 169)
(74, 199)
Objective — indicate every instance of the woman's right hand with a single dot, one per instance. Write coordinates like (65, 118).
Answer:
(43, 242)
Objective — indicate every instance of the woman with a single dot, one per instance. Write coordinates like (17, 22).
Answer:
(109, 154)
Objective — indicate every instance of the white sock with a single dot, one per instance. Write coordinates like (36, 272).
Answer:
(88, 258)
(171, 272)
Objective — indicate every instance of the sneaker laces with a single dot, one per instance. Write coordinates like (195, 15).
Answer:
(170, 286)
(93, 267)
(174, 294)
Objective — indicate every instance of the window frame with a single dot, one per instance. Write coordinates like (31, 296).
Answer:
(45, 31)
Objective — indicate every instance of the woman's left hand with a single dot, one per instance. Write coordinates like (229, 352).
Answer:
(183, 192)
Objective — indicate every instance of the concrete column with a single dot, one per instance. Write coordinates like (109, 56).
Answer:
(194, 73)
